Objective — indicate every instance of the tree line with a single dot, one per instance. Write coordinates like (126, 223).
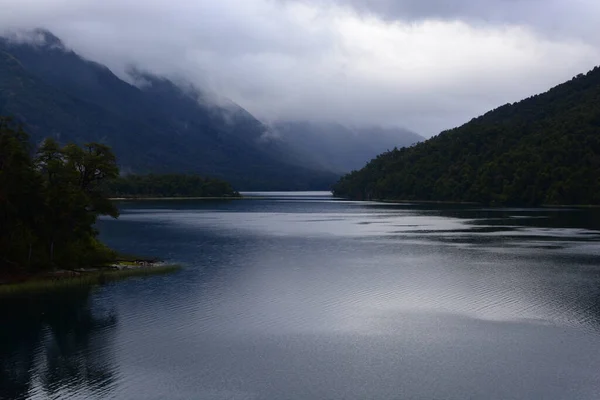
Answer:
(51, 197)
(542, 150)
(168, 185)
(49, 202)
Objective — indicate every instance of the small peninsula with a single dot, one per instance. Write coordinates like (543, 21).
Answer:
(50, 199)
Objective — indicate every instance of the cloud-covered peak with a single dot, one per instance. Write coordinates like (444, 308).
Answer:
(36, 37)
(423, 65)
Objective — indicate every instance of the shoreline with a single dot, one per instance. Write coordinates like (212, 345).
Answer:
(175, 198)
(190, 198)
(466, 203)
(83, 277)
(382, 201)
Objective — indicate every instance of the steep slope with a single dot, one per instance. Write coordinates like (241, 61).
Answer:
(47, 111)
(153, 127)
(542, 150)
(339, 148)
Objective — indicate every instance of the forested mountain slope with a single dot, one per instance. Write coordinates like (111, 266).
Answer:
(542, 150)
(153, 127)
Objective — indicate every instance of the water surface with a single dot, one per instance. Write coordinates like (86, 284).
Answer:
(307, 297)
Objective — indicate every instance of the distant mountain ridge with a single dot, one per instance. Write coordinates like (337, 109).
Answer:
(154, 127)
(339, 148)
(542, 150)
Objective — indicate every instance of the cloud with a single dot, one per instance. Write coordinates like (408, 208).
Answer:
(422, 65)
(577, 18)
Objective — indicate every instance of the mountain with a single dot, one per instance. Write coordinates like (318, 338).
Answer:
(153, 125)
(336, 147)
(542, 150)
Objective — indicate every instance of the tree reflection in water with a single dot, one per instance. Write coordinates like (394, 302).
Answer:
(55, 343)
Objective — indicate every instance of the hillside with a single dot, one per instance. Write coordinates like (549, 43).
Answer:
(542, 150)
(153, 127)
(339, 148)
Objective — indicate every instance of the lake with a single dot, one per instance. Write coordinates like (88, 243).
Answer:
(302, 296)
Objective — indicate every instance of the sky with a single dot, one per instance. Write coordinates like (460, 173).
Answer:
(425, 65)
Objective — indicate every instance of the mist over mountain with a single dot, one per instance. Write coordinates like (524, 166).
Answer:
(153, 124)
(336, 147)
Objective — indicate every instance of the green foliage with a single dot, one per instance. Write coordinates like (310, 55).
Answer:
(49, 203)
(542, 150)
(168, 186)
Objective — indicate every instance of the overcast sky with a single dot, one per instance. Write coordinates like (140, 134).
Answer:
(426, 65)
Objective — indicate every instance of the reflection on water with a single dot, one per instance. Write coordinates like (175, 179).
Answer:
(54, 345)
(306, 297)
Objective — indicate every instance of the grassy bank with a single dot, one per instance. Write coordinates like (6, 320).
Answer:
(49, 284)
(143, 198)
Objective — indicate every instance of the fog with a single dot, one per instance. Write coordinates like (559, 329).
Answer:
(422, 65)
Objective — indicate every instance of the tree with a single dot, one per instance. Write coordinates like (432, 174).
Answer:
(49, 204)
(19, 188)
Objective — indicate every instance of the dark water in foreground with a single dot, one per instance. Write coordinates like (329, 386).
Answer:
(310, 298)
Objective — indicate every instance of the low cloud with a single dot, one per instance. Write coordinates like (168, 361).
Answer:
(422, 65)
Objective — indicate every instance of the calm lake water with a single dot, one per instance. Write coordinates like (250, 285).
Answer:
(307, 297)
